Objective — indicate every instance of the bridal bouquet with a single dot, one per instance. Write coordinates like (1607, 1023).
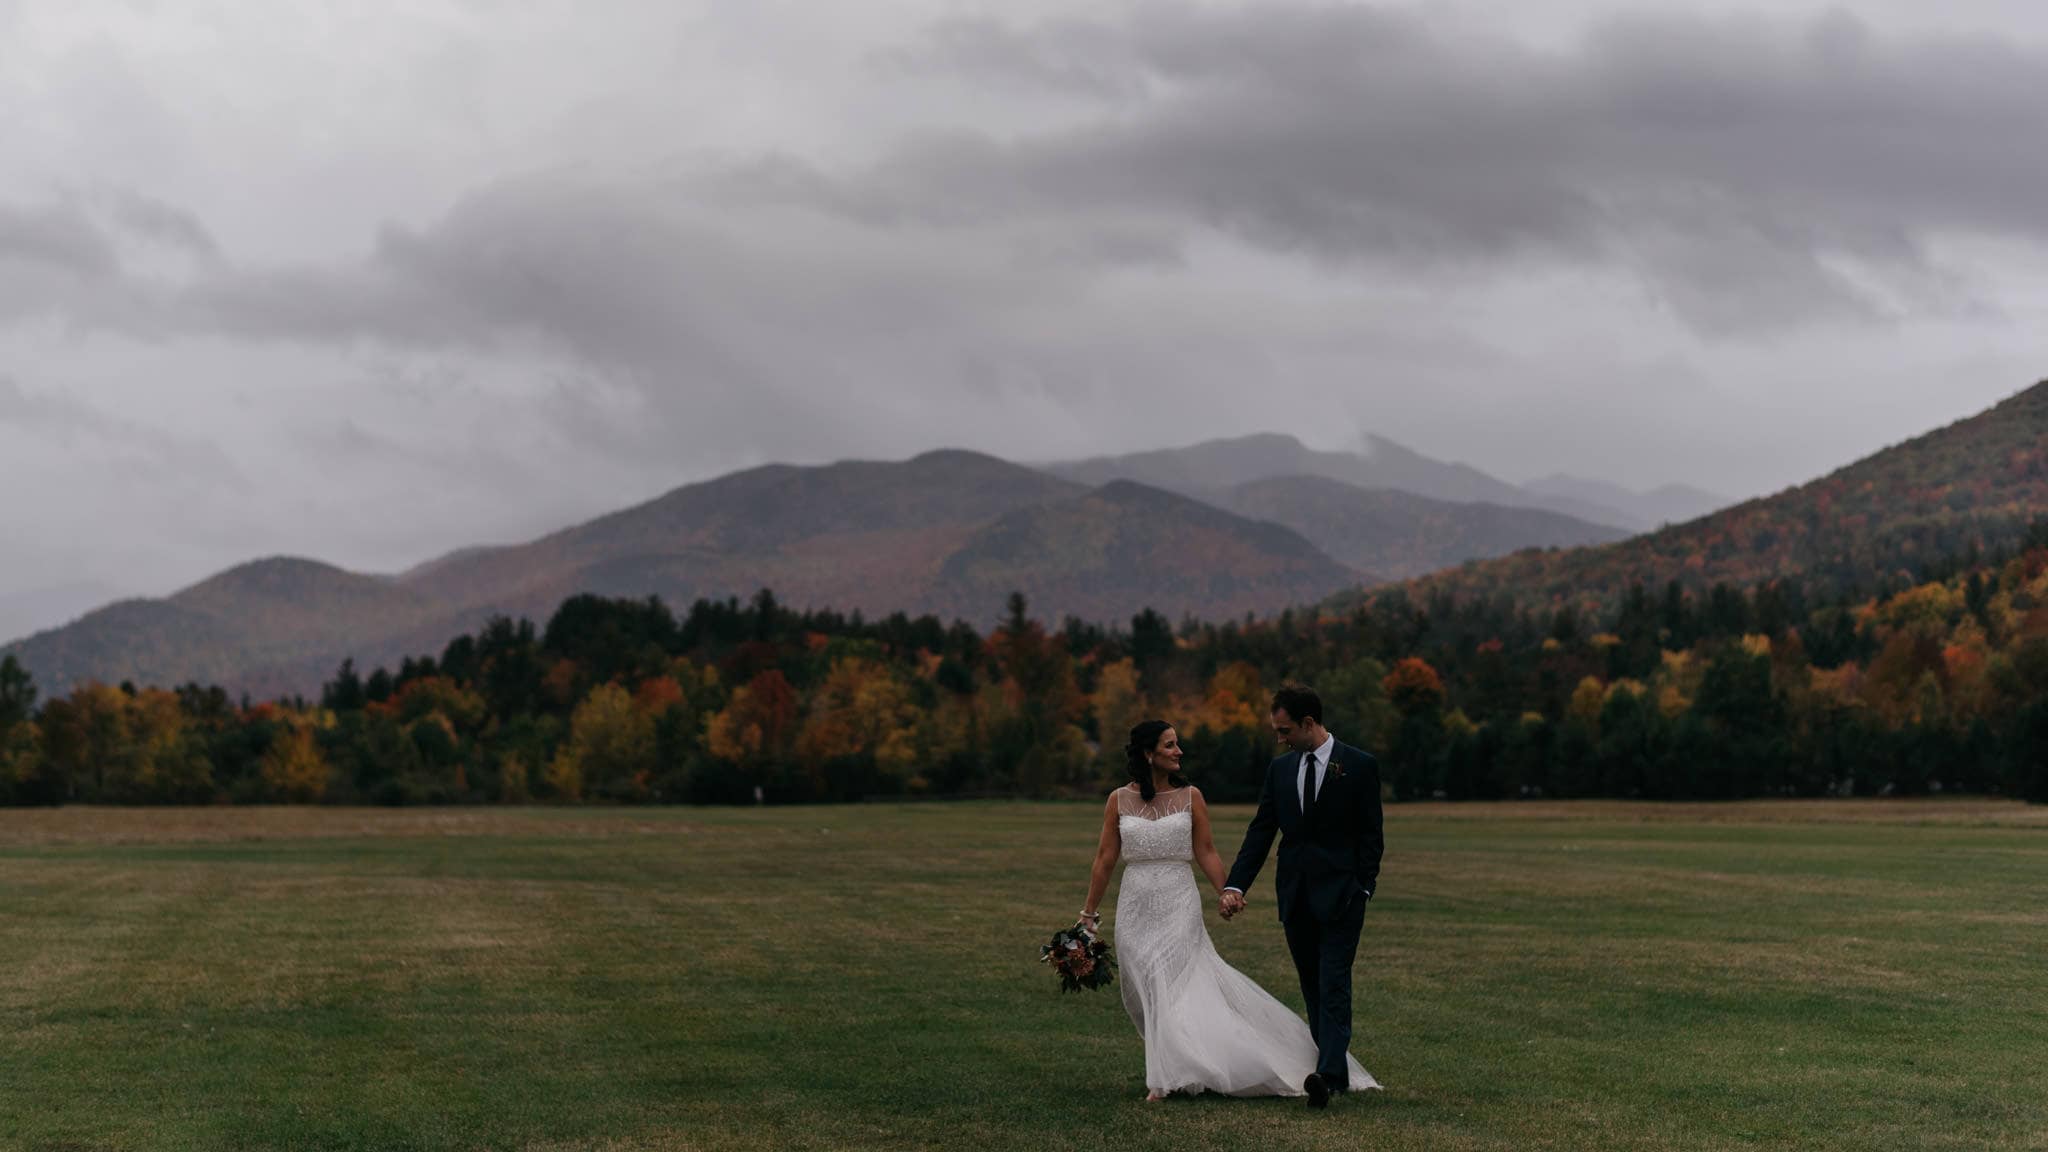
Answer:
(1080, 957)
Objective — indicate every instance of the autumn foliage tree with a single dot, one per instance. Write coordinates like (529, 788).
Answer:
(859, 734)
(293, 768)
(610, 750)
(22, 779)
(1037, 745)
(1777, 689)
(1417, 694)
(753, 733)
(1118, 705)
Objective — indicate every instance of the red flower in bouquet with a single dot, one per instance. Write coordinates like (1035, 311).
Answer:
(1081, 958)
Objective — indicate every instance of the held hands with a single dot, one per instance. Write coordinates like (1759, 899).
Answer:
(1230, 903)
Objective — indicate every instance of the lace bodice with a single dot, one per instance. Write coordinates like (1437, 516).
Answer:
(1160, 830)
(1162, 804)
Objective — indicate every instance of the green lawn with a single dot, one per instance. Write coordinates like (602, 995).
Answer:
(1854, 975)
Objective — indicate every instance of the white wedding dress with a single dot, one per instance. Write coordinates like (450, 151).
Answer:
(1206, 1026)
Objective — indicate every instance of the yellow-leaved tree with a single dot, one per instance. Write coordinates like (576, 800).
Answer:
(1118, 704)
(21, 760)
(861, 713)
(1587, 700)
(293, 768)
(113, 745)
(1235, 698)
(610, 750)
(169, 764)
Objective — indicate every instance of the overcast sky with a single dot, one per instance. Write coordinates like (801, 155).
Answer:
(369, 282)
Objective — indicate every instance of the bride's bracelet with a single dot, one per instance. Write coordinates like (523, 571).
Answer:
(1087, 915)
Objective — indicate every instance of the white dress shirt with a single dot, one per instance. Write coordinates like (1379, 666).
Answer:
(1322, 762)
(1321, 759)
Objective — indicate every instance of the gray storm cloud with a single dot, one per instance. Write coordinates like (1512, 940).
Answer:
(1651, 245)
(1752, 174)
(1755, 174)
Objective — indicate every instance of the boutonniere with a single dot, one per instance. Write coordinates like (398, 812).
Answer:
(1333, 770)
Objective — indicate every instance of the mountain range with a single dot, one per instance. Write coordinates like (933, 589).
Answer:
(1978, 484)
(1401, 535)
(1215, 530)
(1205, 469)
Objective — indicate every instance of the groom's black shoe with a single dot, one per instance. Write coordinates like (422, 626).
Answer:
(1318, 1092)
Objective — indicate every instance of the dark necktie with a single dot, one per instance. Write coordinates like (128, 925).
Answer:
(1308, 785)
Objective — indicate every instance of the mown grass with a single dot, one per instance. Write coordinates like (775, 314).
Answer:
(1853, 975)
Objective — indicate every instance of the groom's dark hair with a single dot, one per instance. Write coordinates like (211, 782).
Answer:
(1300, 702)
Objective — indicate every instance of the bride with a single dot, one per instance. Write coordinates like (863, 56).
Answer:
(1206, 1026)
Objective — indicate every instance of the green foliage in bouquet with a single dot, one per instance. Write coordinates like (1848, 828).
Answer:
(1082, 959)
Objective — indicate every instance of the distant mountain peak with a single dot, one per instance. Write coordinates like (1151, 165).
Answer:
(275, 574)
(1977, 483)
(1213, 466)
(1277, 442)
(1399, 534)
(1107, 553)
(282, 565)
(1665, 504)
(955, 457)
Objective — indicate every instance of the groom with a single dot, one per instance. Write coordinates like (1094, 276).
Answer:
(1323, 798)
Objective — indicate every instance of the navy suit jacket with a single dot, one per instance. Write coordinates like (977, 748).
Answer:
(1330, 860)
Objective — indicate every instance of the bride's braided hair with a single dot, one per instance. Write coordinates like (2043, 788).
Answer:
(1144, 738)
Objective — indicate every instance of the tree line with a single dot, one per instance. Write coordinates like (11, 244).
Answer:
(1937, 682)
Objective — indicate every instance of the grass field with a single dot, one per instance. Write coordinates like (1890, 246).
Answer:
(1868, 975)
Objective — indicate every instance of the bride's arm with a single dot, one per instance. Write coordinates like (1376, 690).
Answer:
(1106, 851)
(1205, 845)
